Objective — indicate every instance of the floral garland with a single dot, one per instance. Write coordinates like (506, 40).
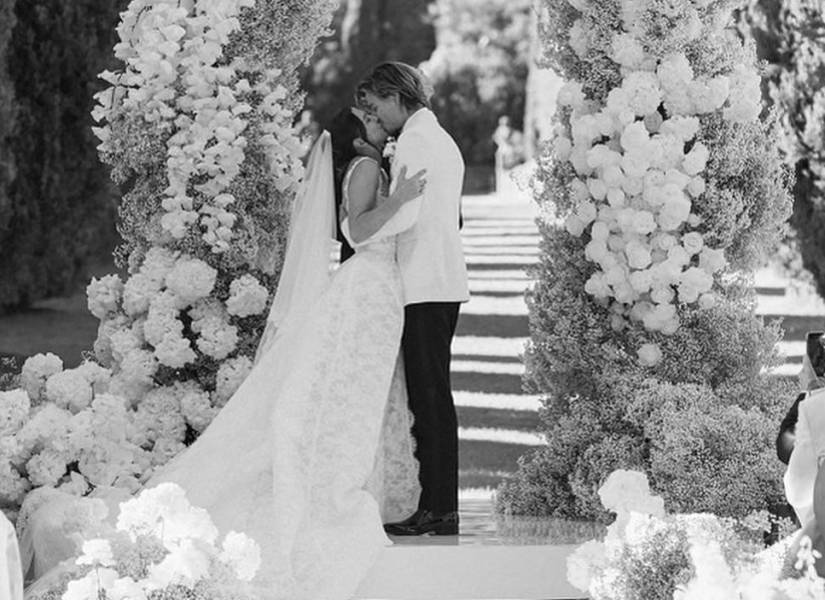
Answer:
(638, 164)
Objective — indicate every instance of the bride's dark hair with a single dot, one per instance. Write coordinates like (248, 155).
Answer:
(344, 129)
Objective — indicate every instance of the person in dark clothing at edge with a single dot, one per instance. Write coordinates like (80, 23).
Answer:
(810, 378)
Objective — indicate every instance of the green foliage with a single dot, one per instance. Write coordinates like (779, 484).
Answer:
(365, 33)
(479, 70)
(790, 37)
(58, 212)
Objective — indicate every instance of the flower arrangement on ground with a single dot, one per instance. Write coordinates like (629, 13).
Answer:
(661, 191)
(649, 554)
(161, 547)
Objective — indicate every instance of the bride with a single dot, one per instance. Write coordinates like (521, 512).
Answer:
(314, 451)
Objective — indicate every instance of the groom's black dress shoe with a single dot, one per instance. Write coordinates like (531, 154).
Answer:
(425, 522)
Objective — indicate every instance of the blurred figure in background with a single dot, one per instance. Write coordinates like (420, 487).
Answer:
(509, 153)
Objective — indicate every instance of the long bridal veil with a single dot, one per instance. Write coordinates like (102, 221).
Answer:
(306, 268)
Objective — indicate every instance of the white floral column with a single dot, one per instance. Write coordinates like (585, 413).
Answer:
(197, 127)
(661, 191)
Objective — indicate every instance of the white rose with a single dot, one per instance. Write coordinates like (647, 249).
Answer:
(638, 254)
(693, 242)
(662, 294)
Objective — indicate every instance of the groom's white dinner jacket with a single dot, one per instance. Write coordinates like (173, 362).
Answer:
(430, 253)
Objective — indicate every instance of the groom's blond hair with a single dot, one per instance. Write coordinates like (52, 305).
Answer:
(396, 77)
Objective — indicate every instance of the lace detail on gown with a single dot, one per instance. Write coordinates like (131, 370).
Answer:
(288, 459)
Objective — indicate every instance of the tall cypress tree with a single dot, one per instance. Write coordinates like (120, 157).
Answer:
(7, 111)
(59, 208)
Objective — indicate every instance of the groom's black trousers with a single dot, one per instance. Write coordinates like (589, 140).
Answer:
(428, 333)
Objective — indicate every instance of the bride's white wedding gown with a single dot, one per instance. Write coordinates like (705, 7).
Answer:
(289, 460)
(314, 449)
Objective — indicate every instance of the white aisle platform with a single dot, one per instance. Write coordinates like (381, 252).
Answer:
(488, 560)
(479, 563)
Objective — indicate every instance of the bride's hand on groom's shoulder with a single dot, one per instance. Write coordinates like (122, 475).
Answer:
(409, 188)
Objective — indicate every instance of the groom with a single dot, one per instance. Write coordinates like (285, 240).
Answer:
(434, 278)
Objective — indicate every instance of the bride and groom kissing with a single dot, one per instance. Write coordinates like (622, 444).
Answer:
(345, 430)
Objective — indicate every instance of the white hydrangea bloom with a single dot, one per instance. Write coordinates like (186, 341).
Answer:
(242, 553)
(13, 486)
(712, 260)
(157, 263)
(135, 376)
(36, 370)
(69, 389)
(627, 51)
(162, 318)
(103, 295)
(138, 292)
(195, 405)
(694, 282)
(190, 280)
(14, 411)
(175, 351)
(644, 94)
(246, 296)
(230, 375)
(159, 415)
(46, 468)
